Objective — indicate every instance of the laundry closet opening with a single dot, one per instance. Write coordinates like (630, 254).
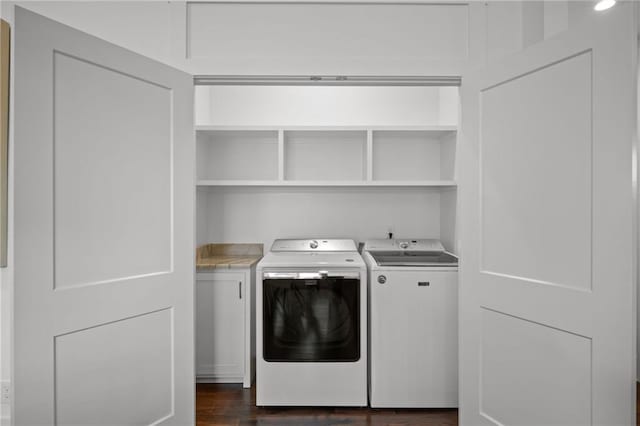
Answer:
(351, 161)
(281, 158)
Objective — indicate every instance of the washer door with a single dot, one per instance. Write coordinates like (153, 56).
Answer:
(311, 320)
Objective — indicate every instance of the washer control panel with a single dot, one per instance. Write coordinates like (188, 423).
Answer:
(398, 244)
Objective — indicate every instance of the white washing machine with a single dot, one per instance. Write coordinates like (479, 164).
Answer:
(413, 308)
(311, 324)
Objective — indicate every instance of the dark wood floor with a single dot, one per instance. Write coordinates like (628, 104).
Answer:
(231, 405)
(226, 405)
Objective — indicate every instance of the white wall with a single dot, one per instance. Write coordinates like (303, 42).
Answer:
(322, 38)
(514, 25)
(637, 165)
(141, 26)
(162, 30)
(327, 105)
(260, 215)
(209, 38)
(6, 274)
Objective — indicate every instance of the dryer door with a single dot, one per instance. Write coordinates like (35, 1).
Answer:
(313, 319)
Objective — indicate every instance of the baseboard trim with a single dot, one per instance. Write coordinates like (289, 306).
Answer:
(238, 380)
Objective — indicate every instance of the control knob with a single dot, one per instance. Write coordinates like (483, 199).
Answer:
(313, 244)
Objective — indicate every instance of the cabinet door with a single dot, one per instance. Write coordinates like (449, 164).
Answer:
(220, 326)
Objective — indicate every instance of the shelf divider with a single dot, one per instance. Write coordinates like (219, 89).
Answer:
(281, 155)
(369, 155)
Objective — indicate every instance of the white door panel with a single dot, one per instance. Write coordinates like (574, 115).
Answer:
(111, 174)
(104, 258)
(547, 256)
(81, 388)
(517, 354)
(535, 176)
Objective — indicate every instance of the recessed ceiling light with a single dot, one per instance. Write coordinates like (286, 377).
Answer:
(604, 5)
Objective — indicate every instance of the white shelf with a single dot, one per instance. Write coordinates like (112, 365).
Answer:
(325, 155)
(237, 154)
(327, 128)
(412, 155)
(330, 156)
(302, 183)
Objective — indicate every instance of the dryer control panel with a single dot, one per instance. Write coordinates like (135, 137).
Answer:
(317, 244)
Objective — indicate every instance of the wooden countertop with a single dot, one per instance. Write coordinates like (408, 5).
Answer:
(227, 256)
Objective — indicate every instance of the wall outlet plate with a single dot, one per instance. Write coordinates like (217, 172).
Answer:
(5, 392)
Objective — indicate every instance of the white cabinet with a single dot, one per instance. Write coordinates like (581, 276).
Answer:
(225, 350)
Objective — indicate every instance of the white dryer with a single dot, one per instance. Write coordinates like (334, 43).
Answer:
(311, 321)
(413, 308)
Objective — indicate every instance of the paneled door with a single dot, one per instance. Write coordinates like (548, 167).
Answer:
(104, 237)
(547, 231)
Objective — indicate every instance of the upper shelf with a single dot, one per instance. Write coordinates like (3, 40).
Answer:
(287, 127)
(434, 129)
(306, 156)
(303, 183)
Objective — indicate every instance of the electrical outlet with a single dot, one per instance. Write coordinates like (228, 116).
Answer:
(5, 392)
